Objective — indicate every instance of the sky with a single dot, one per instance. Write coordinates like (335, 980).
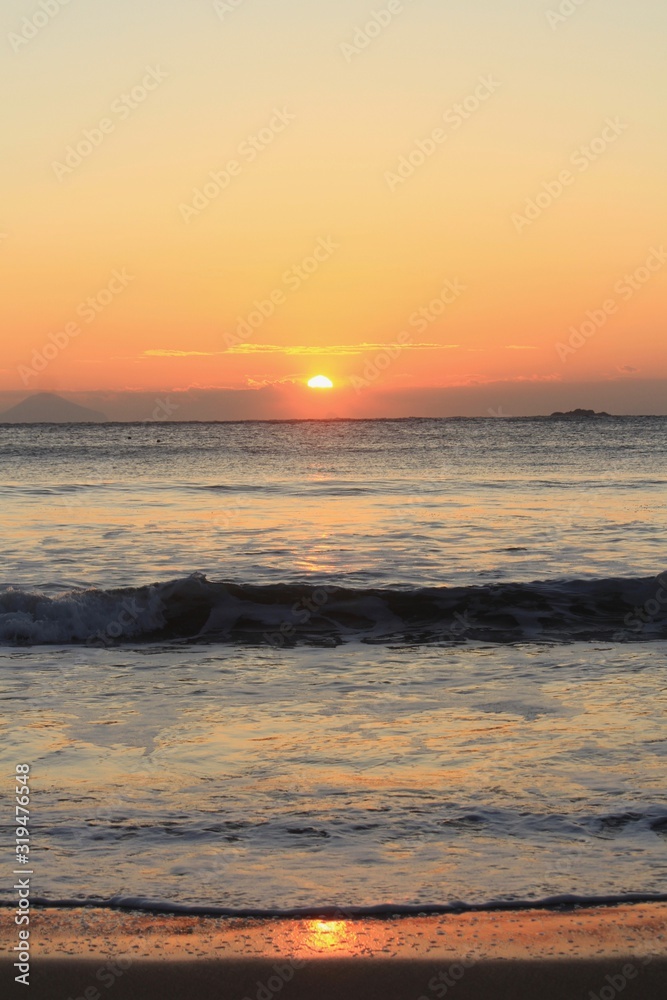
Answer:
(436, 205)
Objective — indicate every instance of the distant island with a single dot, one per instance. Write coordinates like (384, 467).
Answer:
(47, 408)
(580, 413)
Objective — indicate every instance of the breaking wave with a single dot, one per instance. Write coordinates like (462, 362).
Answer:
(198, 610)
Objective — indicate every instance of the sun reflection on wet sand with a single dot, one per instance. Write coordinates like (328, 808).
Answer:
(602, 932)
(330, 937)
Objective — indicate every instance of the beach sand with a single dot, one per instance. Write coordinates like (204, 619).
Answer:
(601, 953)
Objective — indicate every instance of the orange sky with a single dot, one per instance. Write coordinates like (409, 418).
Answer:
(246, 197)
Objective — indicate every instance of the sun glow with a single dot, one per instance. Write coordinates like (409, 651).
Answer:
(320, 382)
(329, 936)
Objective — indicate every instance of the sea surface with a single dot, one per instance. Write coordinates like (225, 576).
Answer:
(351, 663)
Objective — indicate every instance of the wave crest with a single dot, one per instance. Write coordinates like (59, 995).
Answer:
(196, 609)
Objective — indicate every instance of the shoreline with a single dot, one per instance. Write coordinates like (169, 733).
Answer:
(520, 954)
(146, 906)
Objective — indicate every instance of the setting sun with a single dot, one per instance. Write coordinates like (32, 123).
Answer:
(320, 382)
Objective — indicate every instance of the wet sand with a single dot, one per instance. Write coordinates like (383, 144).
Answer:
(598, 953)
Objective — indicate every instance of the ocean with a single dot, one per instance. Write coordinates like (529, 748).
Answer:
(270, 666)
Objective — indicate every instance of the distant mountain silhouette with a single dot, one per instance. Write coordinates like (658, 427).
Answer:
(47, 408)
